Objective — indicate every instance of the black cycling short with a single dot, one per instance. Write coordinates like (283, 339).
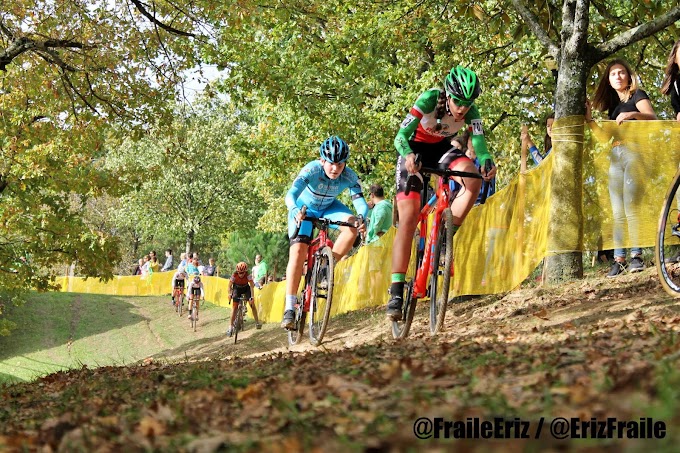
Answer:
(433, 155)
(195, 291)
(179, 283)
(240, 290)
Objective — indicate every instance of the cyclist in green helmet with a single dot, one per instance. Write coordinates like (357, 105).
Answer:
(436, 117)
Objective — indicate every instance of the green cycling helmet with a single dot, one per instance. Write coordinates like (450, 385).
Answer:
(462, 84)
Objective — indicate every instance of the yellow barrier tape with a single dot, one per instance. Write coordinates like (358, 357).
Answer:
(503, 241)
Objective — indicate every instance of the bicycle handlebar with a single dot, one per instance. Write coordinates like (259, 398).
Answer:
(486, 185)
(444, 172)
(322, 222)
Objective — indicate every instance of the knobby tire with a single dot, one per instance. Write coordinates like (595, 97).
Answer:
(440, 279)
(322, 298)
(400, 329)
(295, 336)
(667, 244)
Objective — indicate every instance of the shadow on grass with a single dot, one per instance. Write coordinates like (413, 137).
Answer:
(52, 320)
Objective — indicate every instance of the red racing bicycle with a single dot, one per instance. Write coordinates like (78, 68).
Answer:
(431, 255)
(316, 296)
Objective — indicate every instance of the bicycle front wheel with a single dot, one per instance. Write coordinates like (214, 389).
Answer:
(238, 322)
(442, 260)
(400, 329)
(667, 250)
(295, 336)
(322, 295)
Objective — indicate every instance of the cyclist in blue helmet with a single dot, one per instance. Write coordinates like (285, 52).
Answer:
(317, 186)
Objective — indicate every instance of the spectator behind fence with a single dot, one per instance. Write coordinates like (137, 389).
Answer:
(534, 152)
(145, 265)
(154, 265)
(138, 267)
(168, 261)
(260, 271)
(671, 80)
(381, 214)
(618, 94)
(182, 260)
(209, 270)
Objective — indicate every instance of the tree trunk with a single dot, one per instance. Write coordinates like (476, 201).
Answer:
(565, 230)
(190, 241)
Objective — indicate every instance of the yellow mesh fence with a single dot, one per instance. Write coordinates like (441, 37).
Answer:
(576, 199)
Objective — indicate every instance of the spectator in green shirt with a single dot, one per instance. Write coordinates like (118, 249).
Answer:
(260, 271)
(381, 214)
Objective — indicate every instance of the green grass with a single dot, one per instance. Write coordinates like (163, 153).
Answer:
(60, 331)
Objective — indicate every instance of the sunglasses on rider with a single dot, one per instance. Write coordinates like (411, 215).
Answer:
(461, 103)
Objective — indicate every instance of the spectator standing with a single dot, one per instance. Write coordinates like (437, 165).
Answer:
(145, 265)
(168, 261)
(618, 94)
(671, 80)
(138, 267)
(534, 152)
(209, 270)
(192, 268)
(182, 260)
(262, 270)
(381, 214)
(154, 265)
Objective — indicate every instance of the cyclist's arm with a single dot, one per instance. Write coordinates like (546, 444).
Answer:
(474, 119)
(231, 286)
(252, 289)
(426, 103)
(202, 290)
(299, 184)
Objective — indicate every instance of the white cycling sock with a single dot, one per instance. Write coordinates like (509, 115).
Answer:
(290, 302)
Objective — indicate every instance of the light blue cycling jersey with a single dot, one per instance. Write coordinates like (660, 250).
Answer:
(312, 188)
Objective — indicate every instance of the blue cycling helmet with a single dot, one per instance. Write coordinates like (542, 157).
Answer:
(334, 150)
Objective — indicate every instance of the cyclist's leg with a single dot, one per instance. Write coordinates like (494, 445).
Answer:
(469, 192)
(249, 296)
(341, 213)
(296, 260)
(408, 208)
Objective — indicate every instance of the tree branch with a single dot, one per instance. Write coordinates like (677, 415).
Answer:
(153, 19)
(636, 34)
(534, 25)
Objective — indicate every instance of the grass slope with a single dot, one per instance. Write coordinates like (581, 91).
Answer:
(60, 331)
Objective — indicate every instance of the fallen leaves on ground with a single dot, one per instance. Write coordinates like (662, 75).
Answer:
(564, 357)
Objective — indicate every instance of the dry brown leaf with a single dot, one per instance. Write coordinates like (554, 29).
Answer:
(252, 391)
(150, 427)
(346, 389)
(542, 314)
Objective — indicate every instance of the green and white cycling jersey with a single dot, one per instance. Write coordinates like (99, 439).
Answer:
(421, 122)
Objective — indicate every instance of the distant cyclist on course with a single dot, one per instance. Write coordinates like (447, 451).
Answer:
(427, 130)
(317, 186)
(240, 283)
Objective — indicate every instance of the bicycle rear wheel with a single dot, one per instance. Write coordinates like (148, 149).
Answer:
(400, 329)
(440, 280)
(295, 336)
(667, 250)
(194, 317)
(322, 295)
